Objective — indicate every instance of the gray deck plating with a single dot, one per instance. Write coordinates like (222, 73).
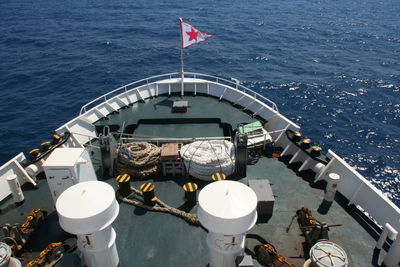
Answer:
(157, 239)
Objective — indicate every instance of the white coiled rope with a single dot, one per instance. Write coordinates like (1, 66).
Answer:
(204, 158)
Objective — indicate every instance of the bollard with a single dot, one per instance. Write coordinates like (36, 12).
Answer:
(218, 176)
(190, 192)
(148, 193)
(305, 143)
(316, 151)
(15, 188)
(45, 146)
(34, 153)
(124, 187)
(56, 139)
(331, 187)
(296, 136)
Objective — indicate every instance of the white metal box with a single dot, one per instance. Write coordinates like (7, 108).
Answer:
(66, 167)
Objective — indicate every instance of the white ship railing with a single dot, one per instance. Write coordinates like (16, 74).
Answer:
(177, 75)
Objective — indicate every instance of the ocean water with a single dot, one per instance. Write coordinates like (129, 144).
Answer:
(333, 67)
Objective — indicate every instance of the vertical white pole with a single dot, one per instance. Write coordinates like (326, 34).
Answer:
(182, 73)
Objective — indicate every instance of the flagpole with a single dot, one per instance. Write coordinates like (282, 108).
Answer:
(182, 72)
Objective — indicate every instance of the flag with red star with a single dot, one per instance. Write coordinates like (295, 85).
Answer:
(190, 35)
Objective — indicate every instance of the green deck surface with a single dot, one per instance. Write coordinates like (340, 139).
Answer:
(155, 239)
(179, 130)
(160, 108)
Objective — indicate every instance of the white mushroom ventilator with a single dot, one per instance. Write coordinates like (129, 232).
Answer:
(228, 209)
(87, 210)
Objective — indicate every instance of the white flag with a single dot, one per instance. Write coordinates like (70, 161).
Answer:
(190, 35)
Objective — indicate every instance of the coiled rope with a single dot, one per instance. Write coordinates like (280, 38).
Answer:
(162, 207)
(139, 159)
(203, 158)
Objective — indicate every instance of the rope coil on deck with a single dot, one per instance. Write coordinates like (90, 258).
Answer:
(139, 159)
(204, 158)
(162, 207)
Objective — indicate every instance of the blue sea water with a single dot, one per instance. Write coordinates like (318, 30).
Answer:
(333, 67)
